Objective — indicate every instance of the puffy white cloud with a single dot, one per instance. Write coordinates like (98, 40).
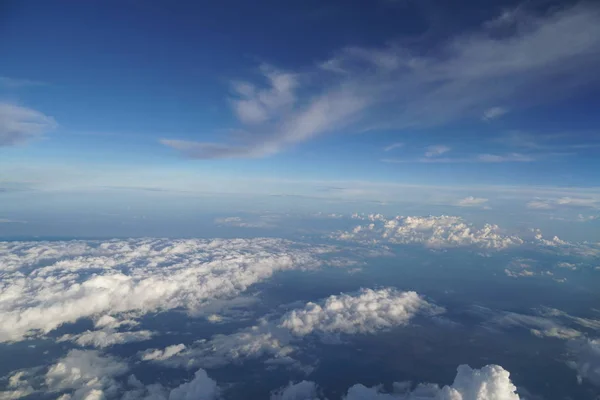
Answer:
(367, 312)
(18, 386)
(491, 382)
(587, 359)
(432, 231)
(88, 374)
(200, 388)
(161, 355)
(46, 284)
(19, 124)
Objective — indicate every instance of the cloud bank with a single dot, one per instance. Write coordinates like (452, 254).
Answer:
(47, 284)
(435, 232)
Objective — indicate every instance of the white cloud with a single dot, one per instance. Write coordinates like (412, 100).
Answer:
(434, 151)
(161, 355)
(471, 201)
(88, 373)
(491, 382)
(200, 388)
(107, 337)
(511, 157)
(393, 146)
(493, 113)
(397, 87)
(539, 205)
(262, 340)
(135, 275)
(367, 312)
(19, 124)
(436, 232)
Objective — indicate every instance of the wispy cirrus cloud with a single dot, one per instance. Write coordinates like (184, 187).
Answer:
(19, 124)
(393, 146)
(493, 113)
(466, 76)
(15, 83)
(436, 150)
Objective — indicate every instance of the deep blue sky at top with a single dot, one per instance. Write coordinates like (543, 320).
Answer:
(370, 91)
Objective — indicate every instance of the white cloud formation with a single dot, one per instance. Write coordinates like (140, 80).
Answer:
(88, 374)
(471, 201)
(200, 388)
(478, 158)
(437, 150)
(520, 61)
(491, 382)
(161, 355)
(107, 337)
(367, 312)
(78, 279)
(493, 113)
(435, 232)
(19, 124)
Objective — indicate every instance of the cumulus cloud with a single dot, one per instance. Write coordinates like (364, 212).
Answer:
(19, 124)
(364, 312)
(491, 382)
(435, 232)
(367, 312)
(78, 279)
(516, 63)
(161, 355)
(88, 374)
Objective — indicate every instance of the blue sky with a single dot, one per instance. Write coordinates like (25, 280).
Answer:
(369, 101)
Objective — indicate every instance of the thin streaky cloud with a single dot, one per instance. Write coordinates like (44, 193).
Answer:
(393, 146)
(469, 73)
(493, 113)
(437, 150)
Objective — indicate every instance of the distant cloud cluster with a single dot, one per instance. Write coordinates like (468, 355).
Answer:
(103, 280)
(435, 232)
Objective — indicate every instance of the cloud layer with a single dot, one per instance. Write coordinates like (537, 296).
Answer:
(46, 284)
